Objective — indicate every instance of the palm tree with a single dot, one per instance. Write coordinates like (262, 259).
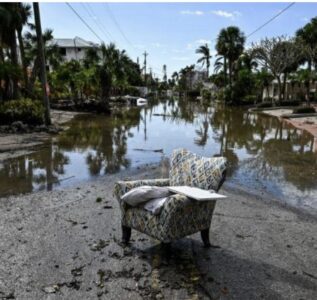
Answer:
(8, 26)
(23, 14)
(219, 64)
(308, 36)
(230, 44)
(304, 76)
(91, 57)
(41, 55)
(52, 54)
(205, 58)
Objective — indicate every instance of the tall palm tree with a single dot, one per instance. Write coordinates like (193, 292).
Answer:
(205, 58)
(175, 77)
(52, 54)
(308, 35)
(8, 26)
(219, 65)
(24, 12)
(230, 44)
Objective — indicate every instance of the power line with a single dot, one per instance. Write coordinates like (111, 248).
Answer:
(91, 16)
(270, 20)
(98, 22)
(117, 24)
(78, 15)
(267, 22)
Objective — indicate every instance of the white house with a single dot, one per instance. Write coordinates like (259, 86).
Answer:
(74, 48)
(293, 90)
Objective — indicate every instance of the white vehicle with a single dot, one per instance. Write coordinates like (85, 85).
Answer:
(141, 101)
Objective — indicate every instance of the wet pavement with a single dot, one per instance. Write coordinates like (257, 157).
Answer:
(65, 244)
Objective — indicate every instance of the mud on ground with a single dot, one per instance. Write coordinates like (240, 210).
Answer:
(65, 244)
(13, 145)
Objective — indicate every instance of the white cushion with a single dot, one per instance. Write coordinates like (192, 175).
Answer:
(144, 193)
(155, 206)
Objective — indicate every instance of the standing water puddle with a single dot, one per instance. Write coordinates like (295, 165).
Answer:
(263, 153)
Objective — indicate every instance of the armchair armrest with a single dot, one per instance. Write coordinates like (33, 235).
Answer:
(122, 187)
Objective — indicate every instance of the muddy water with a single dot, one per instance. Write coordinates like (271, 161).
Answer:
(264, 154)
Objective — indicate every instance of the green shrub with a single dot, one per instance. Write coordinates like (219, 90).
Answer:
(206, 94)
(304, 110)
(193, 93)
(289, 103)
(250, 99)
(25, 110)
(264, 105)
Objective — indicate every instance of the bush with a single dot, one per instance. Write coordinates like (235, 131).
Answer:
(25, 110)
(304, 110)
(206, 94)
(289, 103)
(264, 105)
(193, 93)
(250, 99)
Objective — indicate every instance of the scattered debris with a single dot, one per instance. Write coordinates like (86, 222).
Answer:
(78, 271)
(99, 246)
(51, 289)
(107, 207)
(310, 275)
(148, 150)
(72, 222)
(99, 199)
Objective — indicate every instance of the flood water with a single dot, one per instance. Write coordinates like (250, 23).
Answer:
(264, 154)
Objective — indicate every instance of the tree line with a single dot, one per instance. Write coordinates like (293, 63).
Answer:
(242, 73)
(104, 71)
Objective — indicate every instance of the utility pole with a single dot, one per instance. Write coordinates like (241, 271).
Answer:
(41, 55)
(164, 74)
(145, 55)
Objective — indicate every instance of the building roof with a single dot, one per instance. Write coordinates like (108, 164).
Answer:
(76, 42)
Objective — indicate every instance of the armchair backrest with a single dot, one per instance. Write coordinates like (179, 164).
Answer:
(191, 169)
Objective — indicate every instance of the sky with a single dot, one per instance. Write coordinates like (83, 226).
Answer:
(171, 32)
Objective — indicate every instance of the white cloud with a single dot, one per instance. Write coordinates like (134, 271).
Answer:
(203, 41)
(305, 19)
(192, 12)
(226, 14)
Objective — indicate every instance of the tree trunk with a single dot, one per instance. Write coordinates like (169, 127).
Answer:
(14, 61)
(307, 93)
(41, 55)
(225, 69)
(208, 65)
(22, 53)
(34, 74)
(230, 72)
(105, 83)
(284, 86)
(279, 88)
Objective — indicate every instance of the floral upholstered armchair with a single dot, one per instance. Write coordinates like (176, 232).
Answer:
(180, 216)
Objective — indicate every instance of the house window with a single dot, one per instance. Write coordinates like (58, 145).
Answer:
(78, 49)
(62, 51)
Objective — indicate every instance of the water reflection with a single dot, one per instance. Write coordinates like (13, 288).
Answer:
(263, 152)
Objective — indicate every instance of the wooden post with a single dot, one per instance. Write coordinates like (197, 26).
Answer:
(41, 56)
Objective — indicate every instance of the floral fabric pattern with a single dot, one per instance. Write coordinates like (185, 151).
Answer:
(193, 170)
(180, 215)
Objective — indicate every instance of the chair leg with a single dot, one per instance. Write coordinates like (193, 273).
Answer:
(205, 237)
(126, 234)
